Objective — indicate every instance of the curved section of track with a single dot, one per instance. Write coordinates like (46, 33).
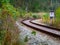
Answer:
(44, 25)
(41, 28)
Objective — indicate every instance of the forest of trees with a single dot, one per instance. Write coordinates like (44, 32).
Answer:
(36, 5)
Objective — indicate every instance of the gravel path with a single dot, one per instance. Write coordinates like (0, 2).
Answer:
(38, 39)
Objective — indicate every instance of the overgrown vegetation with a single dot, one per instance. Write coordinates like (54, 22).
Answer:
(2, 35)
(11, 10)
(26, 39)
(57, 17)
(46, 18)
(36, 5)
(8, 30)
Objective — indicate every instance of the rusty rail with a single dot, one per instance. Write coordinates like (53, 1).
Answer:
(49, 31)
(51, 27)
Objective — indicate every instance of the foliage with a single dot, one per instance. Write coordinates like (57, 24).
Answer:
(33, 32)
(57, 15)
(2, 35)
(7, 23)
(35, 16)
(26, 38)
(5, 1)
(0, 12)
(46, 18)
(11, 10)
(22, 12)
(2, 27)
(36, 5)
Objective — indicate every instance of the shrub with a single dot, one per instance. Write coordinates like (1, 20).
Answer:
(11, 10)
(57, 14)
(22, 12)
(35, 16)
(33, 32)
(7, 16)
(26, 38)
(2, 35)
(46, 18)
(12, 31)
(5, 1)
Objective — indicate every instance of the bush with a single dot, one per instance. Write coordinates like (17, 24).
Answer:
(2, 35)
(7, 15)
(26, 38)
(5, 1)
(33, 32)
(57, 14)
(35, 16)
(46, 18)
(11, 10)
(12, 30)
(24, 14)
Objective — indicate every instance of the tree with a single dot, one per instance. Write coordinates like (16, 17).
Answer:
(36, 5)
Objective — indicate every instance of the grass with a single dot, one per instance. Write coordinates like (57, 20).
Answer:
(46, 18)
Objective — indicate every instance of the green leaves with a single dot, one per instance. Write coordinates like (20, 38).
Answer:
(57, 15)
(2, 34)
(58, 12)
(26, 38)
(11, 10)
(33, 32)
(35, 16)
(5, 1)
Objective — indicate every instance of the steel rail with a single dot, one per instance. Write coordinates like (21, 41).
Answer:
(49, 31)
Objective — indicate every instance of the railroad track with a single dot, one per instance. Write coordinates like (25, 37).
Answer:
(44, 25)
(50, 31)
